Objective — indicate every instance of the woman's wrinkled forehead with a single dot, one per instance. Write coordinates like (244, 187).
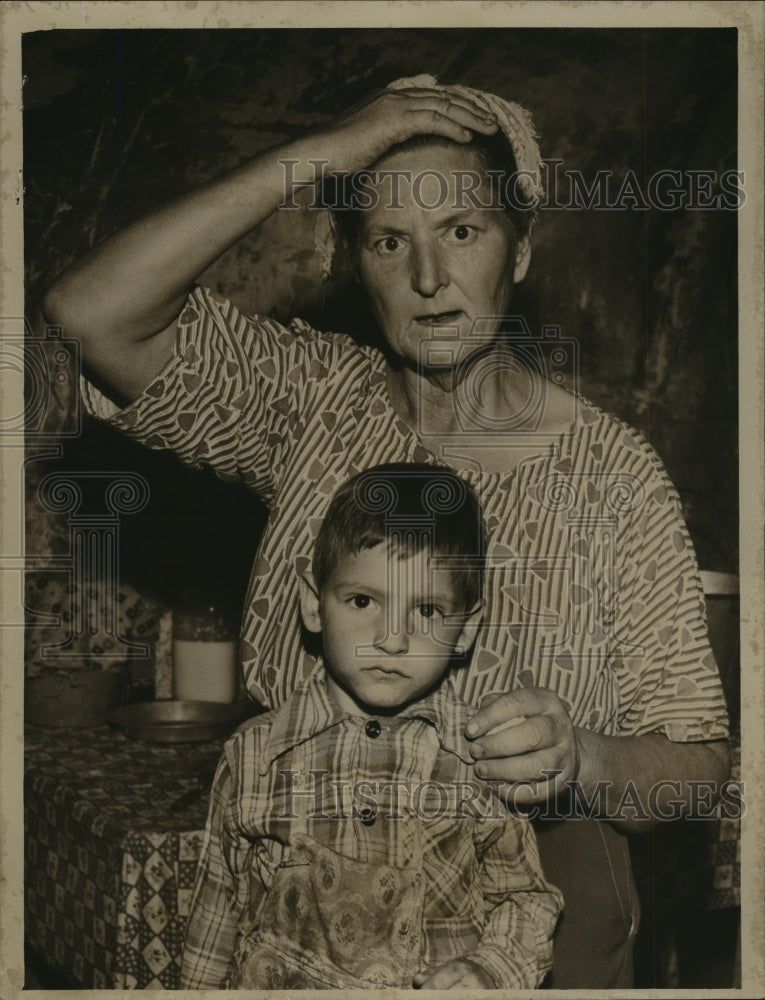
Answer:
(515, 123)
(433, 178)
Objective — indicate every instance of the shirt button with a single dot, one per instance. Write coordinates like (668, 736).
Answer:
(373, 729)
(367, 815)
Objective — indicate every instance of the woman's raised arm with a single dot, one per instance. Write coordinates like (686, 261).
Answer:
(122, 299)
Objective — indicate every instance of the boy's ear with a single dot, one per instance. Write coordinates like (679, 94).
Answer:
(309, 602)
(469, 631)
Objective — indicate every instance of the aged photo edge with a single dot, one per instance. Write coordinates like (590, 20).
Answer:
(18, 18)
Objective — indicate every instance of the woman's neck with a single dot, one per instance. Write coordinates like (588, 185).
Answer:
(447, 414)
(425, 402)
(467, 399)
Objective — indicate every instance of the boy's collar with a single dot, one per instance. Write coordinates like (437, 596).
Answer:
(448, 714)
(307, 712)
(310, 710)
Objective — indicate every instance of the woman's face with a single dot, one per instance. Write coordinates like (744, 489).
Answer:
(429, 255)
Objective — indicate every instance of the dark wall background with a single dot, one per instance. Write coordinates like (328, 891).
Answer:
(116, 122)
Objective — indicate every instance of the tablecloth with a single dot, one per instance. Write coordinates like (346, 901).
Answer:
(113, 832)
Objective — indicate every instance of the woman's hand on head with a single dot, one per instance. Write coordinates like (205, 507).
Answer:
(526, 739)
(361, 135)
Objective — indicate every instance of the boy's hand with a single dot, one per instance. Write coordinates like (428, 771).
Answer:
(459, 972)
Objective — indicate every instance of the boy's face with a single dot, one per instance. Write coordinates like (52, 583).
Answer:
(390, 627)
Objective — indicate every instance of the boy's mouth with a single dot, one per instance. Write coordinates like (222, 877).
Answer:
(387, 671)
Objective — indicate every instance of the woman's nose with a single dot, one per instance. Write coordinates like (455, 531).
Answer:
(429, 271)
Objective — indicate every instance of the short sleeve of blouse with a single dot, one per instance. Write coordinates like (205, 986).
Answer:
(230, 396)
(668, 677)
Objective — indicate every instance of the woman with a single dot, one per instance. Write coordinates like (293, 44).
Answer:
(594, 643)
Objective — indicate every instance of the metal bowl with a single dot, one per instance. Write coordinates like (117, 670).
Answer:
(181, 721)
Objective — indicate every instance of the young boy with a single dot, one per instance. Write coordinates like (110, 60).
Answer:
(349, 843)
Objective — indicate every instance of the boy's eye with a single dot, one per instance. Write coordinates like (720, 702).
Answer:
(361, 601)
(427, 610)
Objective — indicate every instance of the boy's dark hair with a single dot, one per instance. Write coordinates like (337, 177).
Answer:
(412, 507)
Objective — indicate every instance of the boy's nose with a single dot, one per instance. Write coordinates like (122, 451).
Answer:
(392, 637)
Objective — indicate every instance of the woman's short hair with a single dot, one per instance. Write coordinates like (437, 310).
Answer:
(412, 507)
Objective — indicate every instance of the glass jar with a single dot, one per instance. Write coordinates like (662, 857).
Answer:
(205, 661)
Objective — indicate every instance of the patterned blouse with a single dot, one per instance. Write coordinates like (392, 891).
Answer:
(347, 852)
(592, 587)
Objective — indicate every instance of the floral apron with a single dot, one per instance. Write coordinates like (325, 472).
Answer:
(330, 922)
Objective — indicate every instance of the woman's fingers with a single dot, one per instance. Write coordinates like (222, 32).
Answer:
(447, 116)
(431, 121)
(537, 767)
(420, 100)
(450, 104)
(520, 794)
(528, 779)
(527, 740)
(537, 737)
(364, 133)
(516, 705)
(528, 735)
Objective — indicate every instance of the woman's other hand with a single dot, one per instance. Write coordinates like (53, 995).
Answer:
(459, 973)
(526, 738)
(366, 131)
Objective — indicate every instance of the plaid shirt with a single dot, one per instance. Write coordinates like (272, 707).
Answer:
(395, 791)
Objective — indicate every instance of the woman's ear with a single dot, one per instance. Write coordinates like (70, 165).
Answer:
(469, 631)
(522, 259)
(352, 257)
(309, 602)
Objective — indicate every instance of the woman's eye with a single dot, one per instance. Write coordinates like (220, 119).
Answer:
(428, 610)
(389, 245)
(361, 601)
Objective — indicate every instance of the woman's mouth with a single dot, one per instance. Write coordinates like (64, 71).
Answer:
(439, 319)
